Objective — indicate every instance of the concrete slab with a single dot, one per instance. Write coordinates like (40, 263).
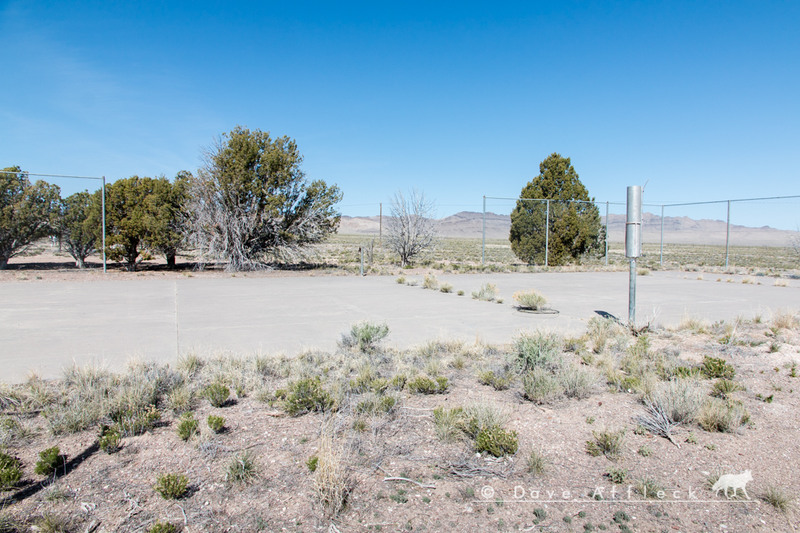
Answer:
(46, 326)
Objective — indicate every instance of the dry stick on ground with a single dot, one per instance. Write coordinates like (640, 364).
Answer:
(410, 481)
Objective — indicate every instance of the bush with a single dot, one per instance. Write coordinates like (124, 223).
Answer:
(426, 385)
(680, 400)
(131, 421)
(541, 387)
(217, 394)
(449, 423)
(608, 443)
(305, 396)
(722, 416)
(215, 423)
(538, 349)
(536, 462)
(724, 388)
(110, 440)
(487, 293)
(163, 527)
(50, 460)
(430, 282)
(312, 463)
(332, 480)
(242, 469)
(496, 441)
(714, 367)
(446, 288)
(575, 382)
(172, 486)
(10, 471)
(497, 381)
(530, 300)
(187, 426)
(365, 336)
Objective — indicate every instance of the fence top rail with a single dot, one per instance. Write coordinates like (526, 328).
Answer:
(51, 175)
(763, 198)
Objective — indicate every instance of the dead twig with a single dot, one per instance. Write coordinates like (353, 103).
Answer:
(409, 481)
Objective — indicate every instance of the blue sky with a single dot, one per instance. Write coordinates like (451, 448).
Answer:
(457, 99)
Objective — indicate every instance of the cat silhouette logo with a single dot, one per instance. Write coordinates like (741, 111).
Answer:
(733, 481)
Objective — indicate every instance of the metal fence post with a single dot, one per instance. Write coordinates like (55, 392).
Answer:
(103, 205)
(662, 236)
(547, 235)
(727, 235)
(606, 233)
(483, 238)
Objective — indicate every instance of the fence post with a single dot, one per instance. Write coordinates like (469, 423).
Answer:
(727, 235)
(483, 239)
(662, 236)
(103, 207)
(633, 245)
(606, 233)
(547, 235)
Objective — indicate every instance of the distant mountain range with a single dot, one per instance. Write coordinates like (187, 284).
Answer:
(677, 230)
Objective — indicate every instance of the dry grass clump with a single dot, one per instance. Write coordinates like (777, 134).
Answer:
(487, 293)
(332, 480)
(606, 442)
(531, 299)
(724, 416)
(785, 320)
(778, 498)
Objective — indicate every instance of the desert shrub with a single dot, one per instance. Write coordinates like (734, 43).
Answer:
(181, 399)
(487, 293)
(430, 282)
(305, 396)
(541, 386)
(483, 415)
(401, 280)
(217, 394)
(312, 463)
(163, 527)
(172, 486)
(777, 497)
(724, 388)
(530, 299)
(10, 471)
(497, 380)
(536, 462)
(215, 423)
(332, 480)
(714, 367)
(679, 399)
(133, 421)
(50, 460)
(722, 416)
(496, 441)
(188, 426)
(13, 431)
(606, 442)
(242, 469)
(52, 523)
(617, 475)
(575, 382)
(538, 349)
(110, 440)
(376, 404)
(449, 423)
(446, 288)
(426, 385)
(365, 336)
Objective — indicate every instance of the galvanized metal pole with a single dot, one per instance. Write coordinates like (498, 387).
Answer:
(633, 245)
(380, 224)
(547, 235)
(606, 233)
(103, 207)
(728, 235)
(483, 239)
(662, 236)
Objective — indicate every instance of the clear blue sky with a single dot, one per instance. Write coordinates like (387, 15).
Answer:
(457, 99)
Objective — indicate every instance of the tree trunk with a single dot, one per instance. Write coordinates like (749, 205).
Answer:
(170, 260)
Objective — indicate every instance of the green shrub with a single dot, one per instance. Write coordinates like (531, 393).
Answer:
(724, 388)
(541, 387)
(487, 293)
(10, 471)
(312, 463)
(215, 423)
(375, 404)
(575, 382)
(50, 460)
(496, 380)
(722, 416)
(617, 475)
(163, 527)
(530, 300)
(172, 486)
(426, 385)
(497, 441)
(608, 443)
(305, 396)
(365, 336)
(131, 421)
(110, 440)
(187, 426)
(242, 469)
(538, 349)
(714, 367)
(217, 394)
